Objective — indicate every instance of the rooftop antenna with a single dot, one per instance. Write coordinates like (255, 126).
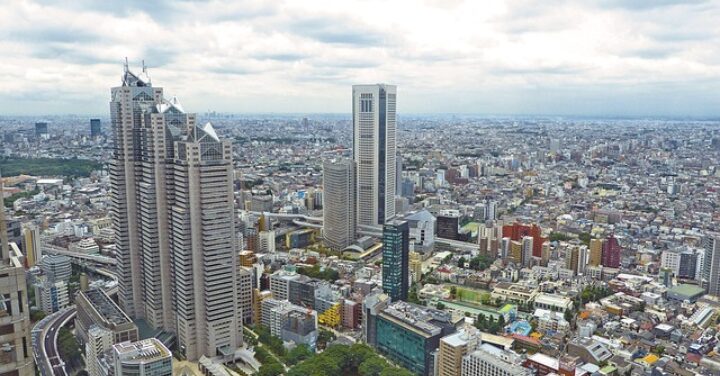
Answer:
(126, 64)
(144, 67)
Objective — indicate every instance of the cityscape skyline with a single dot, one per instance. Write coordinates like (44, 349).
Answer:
(588, 58)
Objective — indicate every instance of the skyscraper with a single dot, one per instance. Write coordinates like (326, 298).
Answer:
(41, 129)
(339, 203)
(95, 128)
(396, 259)
(374, 132)
(711, 265)
(174, 220)
(16, 356)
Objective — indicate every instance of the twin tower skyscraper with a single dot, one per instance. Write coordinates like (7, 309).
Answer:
(174, 218)
(361, 192)
(173, 211)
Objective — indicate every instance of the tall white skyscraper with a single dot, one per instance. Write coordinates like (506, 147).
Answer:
(339, 203)
(173, 214)
(374, 147)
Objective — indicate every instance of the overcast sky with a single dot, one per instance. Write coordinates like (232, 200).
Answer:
(601, 57)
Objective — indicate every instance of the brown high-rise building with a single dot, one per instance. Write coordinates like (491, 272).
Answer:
(596, 252)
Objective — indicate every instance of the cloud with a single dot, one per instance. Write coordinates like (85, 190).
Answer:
(524, 56)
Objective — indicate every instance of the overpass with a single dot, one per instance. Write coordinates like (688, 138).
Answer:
(44, 337)
(78, 258)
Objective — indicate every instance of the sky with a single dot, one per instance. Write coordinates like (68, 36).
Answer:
(580, 57)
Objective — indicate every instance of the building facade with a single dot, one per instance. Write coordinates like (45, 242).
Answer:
(16, 358)
(711, 265)
(173, 214)
(148, 357)
(339, 203)
(374, 152)
(396, 260)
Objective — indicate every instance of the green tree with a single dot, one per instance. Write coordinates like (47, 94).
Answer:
(395, 371)
(271, 369)
(324, 337)
(298, 354)
(461, 262)
(372, 367)
(440, 305)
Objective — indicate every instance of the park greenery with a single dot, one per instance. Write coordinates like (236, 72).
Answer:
(48, 166)
(489, 324)
(315, 271)
(358, 359)
(8, 201)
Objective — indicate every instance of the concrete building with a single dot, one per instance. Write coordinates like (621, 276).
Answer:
(99, 341)
(596, 249)
(290, 322)
(31, 244)
(148, 357)
(711, 265)
(453, 348)
(16, 356)
(280, 282)
(339, 221)
(409, 335)
(396, 259)
(611, 252)
(683, 262)
(266, 240)
(448, 224)
(96, 309)
(490, 360)
(56, 267)
(374, 152)
(174, 219)
(51, 296)
(373, 304)
(422, 231)
(245, 294)
(553, 302)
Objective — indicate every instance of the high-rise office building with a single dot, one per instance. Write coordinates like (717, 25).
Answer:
(374, 152)
(711, 265)
(41, 129)
(95, 128)
(396, 259)
(16, 355)
(173, 213)
(339, 220)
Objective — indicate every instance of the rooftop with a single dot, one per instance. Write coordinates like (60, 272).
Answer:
(687, 290)
(141, 351)
(106, 307)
